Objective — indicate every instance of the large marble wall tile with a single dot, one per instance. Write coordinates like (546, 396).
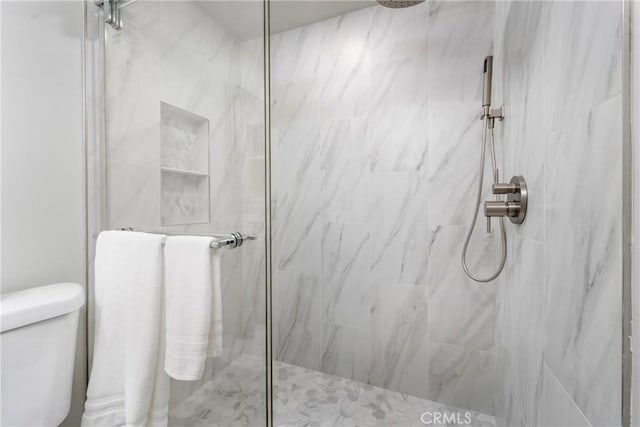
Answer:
(345, 171)
(520, 298)
(297, 319)
(399, 251)
(297, 208)
(507, 412)
(461, 311)
(460, 36)
(399, 33)
(297, 233)
(524, 284)
(296, 153)
(346, 352)
(352, 101)
(294, 102)
(297, 343)
(398, 115)
(344, 66)
(249, 131)
(455, 143)
(583, 57)
(506, 409)
(296, 296)
(523, 130)
(557, 409)
(399, 337)
(518, 53)
(502, 9)
(252, 66)
(346, 292)
(462, 377)
(138, 195)
(224, 152)
(583, 260)
(294, 54)
(550, 52)
(344, 41)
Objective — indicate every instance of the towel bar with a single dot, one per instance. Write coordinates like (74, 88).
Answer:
(219, 241)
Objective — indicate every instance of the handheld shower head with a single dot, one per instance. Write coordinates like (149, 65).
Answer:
(486, 85)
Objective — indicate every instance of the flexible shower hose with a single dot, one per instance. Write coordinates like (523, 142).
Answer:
(503, 232)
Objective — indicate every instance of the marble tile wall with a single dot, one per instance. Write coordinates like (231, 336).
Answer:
(194, 64)
(375, 144)
(558, 310)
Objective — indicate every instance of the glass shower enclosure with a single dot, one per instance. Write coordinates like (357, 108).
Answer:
(177, 145)
(345, 136)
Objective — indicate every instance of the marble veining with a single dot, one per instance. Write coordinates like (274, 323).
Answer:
(524, 301)
(346, 291)
(583, 320)
(375, 113)
(565, 371)
(471, 324)
(400, 343)
(235, 396)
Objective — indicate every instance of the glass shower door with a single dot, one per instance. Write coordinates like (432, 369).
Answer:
(177, 146)
(375, 143)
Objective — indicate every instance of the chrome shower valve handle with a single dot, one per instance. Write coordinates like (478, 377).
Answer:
(503, 188)
(515, 207)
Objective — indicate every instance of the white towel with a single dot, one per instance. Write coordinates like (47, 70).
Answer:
(127, 385)
(194, 306)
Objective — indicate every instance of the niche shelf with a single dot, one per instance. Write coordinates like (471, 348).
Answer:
(182, 171)
(184, 167)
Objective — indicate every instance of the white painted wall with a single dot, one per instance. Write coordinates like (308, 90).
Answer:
(42, 211)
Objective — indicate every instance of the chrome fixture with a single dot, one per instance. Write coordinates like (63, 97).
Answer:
(488, 116)
(487, 77)
(487, 112)
(399, 4)
(515, 208)
(111, 12)
(219, 241)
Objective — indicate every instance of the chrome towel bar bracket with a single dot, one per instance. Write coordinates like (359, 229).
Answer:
(218, 241)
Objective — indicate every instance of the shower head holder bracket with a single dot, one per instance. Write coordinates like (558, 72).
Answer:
(491, 114)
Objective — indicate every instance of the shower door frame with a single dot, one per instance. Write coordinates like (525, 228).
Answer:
(96, 173)
(630, 185)
(266, 52)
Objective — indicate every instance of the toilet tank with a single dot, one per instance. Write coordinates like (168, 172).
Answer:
(37, 344)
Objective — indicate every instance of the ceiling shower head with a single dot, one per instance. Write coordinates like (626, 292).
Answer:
(399, 4)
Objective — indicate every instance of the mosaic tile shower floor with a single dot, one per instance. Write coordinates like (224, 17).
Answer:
(302, 397)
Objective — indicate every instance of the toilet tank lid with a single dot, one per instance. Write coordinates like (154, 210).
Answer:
(33, 305)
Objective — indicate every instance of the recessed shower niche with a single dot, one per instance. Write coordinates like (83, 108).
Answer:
(184, 166)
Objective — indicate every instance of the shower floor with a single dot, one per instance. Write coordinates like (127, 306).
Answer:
(302, 397)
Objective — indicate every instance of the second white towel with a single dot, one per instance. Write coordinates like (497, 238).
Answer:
(193, 306)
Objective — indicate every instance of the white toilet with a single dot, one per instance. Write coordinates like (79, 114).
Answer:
(38, 342)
